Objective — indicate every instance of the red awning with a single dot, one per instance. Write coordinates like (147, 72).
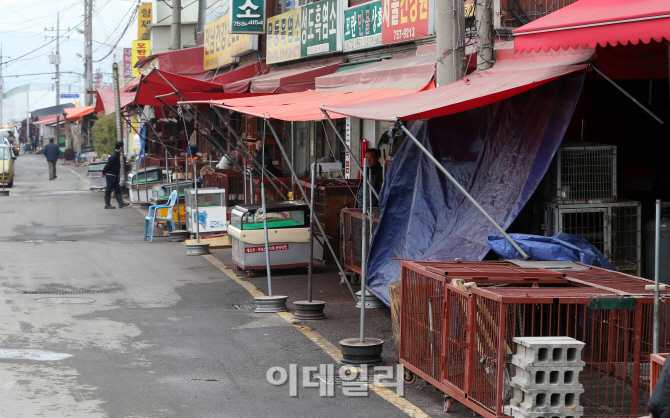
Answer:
(186, 62)
(589, 23)
(72, 113)
(408, 73)
(512, 74)
(132, 86)
(173, 99)
(159, 83)
(105, 100)
(303, 106)
(240, 73)
(290, 80)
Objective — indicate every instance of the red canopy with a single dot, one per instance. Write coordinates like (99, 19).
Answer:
(303, 106)
(408, 73)
(159, 83)
(290, 80)
(241, 73)
(105, 100)
(72, 114)
(186, 62)
(588, 23)
(512, 74)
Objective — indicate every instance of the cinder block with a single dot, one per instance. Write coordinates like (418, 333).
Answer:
(548, 351)
(517, 413)
(547, 378)
(550, 402)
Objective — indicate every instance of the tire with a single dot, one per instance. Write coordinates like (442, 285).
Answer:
(447, 404)
(408, 377)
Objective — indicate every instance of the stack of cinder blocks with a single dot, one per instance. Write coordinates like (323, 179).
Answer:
(546, 379)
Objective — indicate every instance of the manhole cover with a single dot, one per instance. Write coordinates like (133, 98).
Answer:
(246, 306)
(65, 300)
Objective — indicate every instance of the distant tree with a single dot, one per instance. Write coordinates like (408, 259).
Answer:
(103, 134)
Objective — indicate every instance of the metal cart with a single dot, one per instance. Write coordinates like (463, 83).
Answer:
(211, 210)
(288, 235)
(97, 181)
(141, 181)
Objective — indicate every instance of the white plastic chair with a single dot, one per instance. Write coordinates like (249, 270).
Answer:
(151, 219)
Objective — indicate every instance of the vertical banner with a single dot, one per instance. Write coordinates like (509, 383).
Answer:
(363, 26)
(247, 16)
(404, 20)
(141, 49)
(320, 32)
(283, 37)
(143, 22)
(221, 47)
(347, 158)
(127, 62)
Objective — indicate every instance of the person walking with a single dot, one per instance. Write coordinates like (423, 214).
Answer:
(51, 152)
(111, 173)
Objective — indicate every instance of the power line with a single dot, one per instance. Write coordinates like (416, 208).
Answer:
(132, 19)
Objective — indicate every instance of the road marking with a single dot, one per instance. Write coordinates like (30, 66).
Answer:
(30, 354)
(398, 401)
(76, 174)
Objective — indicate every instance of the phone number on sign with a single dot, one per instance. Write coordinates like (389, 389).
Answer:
(281, 247)
(406, 33)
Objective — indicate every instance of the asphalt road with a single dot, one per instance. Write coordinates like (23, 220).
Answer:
(98, 323)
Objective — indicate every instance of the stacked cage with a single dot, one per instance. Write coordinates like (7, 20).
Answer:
(351, 223)
(580, 198)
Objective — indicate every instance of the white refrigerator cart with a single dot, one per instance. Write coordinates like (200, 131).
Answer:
(94, 175)
(288, 235)
(211, 210)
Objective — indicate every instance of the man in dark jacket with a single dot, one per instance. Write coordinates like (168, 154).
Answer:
(375, 176)
(111, 173)
(51, 152)
(659, 401)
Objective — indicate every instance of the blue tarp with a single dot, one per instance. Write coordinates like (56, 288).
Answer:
(560, 247)
(498, 153)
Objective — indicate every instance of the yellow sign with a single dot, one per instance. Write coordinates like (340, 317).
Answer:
(141, 49)
(162, 213)
(221, 47)
(283, 37)
(143, 22)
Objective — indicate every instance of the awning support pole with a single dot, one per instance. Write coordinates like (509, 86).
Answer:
(244, 147)
(311, 213)
(657, 307)
(627, 94)
(351, 154)
(461, 189)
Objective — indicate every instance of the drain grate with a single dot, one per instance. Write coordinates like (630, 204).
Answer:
(64, 300)
(63, 293)
(44, 241)
(246, 306)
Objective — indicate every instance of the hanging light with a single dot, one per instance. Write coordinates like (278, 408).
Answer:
(79, 30)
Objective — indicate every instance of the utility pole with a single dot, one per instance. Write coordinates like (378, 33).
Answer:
(2, 89)
(450, 34)
(175, 30)
(117, 116)
(55, 59)
(484, 25)
(88, 50)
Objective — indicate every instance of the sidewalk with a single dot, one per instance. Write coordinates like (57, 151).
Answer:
(343, 320)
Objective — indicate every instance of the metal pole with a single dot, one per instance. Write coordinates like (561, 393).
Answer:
(462, 190)
(167, 170)
(364, 248)
(267, 246)
(176, 166)
(351, 154)
(57, 63)
(316, 220)
(88, 50)
(311, 238)
(175, 30)
(197, 213)
(251, 184)
(244, 173)
(484, 24)
(627, 94)
(657, 307)
(117, 117)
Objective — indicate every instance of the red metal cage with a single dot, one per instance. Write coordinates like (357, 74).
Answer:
(352, 239)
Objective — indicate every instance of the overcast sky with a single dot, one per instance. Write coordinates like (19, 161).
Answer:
(28, 46)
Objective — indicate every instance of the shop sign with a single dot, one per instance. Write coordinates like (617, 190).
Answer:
(141, 49)
(222, 47)
(143, 22)
(247, 17)
(363, 26)
(283, 37)
(404, 20)
(127, 62)
(276, 247)
(320, 30)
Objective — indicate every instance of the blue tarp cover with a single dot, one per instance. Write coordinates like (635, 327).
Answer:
(560, 247)
(498, 153)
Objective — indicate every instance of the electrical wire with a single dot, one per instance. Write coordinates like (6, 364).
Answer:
(131, 20)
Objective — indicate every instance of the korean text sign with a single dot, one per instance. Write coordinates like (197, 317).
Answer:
(143, 22)
(283, 37)
(248, 16)
(363, 26)
(406, 19)
(141, 49)
(127, 62)
(320, 32)
(221, 47)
